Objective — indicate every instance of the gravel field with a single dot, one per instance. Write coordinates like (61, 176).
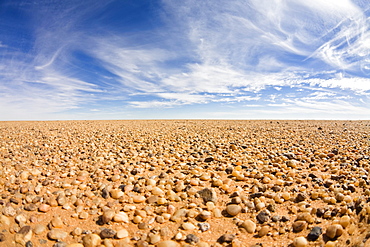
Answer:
(170, 183)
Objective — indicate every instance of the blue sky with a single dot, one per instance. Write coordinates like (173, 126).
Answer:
(208, 59)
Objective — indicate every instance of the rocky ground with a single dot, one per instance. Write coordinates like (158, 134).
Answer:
(184, 183)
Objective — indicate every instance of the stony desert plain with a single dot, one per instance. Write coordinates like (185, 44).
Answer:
(170, 183)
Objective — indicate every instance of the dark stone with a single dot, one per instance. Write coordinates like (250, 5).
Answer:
(208, 195)
(191, 239)
(256, 195)
(276, 188)
(2, 237)
(204, 226)
(107, 233)
(60, 244)
(263, 216)
(30, 207)
(29, 244)
(14, 200)
(320, 212)
(226, 238)
(314, 233)
(301, 197)
(24, 230)
(285, 218)
(105, 193)
(209, 159)
(271, 207)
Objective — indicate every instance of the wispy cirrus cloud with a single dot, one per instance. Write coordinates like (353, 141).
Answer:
(98, 56)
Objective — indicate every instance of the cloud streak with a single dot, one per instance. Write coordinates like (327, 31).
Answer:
(90, 57)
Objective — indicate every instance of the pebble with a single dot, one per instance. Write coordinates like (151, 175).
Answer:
(107, 233)
(122, 233)
(249, 226)
(9, 211)
(191, 239)
(44, 208)
(227, 238)
(300, 242)
(299, 226)
(314, 233)
(57, 222)
(187, 226)
(168, 243)
(263, 231)
(57, 234)
(263, 216)
(334, 231)
(39, 229)
(204, 226)
(120, 217)
(23, 235)
(91, 240)
(208, 195)
(233, 209)
(2, 237)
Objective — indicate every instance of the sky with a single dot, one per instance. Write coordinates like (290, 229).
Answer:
(188, 59)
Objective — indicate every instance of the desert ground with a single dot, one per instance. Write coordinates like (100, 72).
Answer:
(171, 183)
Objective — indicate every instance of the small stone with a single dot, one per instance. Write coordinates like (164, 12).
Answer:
(276, 218)
(187, 226)
(299, 226)
(142, 243)
(249, 226)
(4, 220)
(23, 235)
(9, 211)
(116, 194)
(60, 244)
(138, 199)
(300, 242)
(204, 226)
(208, 195)
(301, 197)
(263, 216)
(108, 215)
(233, 209)
(77, 231)
(91, 240)
(121, 217)
(263, 231)
(152, 199)
(20, 219)
(57, 234)
(123, 233)
(314, 233)
(57, 222)
(107, 233)
(39, 229)
(345, 221)
(29, 244)
(2, 237)
(154, 238)
(179, 214)
(168, 243)
(30, 207)
(334, 231)
(44, 208)
(191, 239)
(226, 238)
